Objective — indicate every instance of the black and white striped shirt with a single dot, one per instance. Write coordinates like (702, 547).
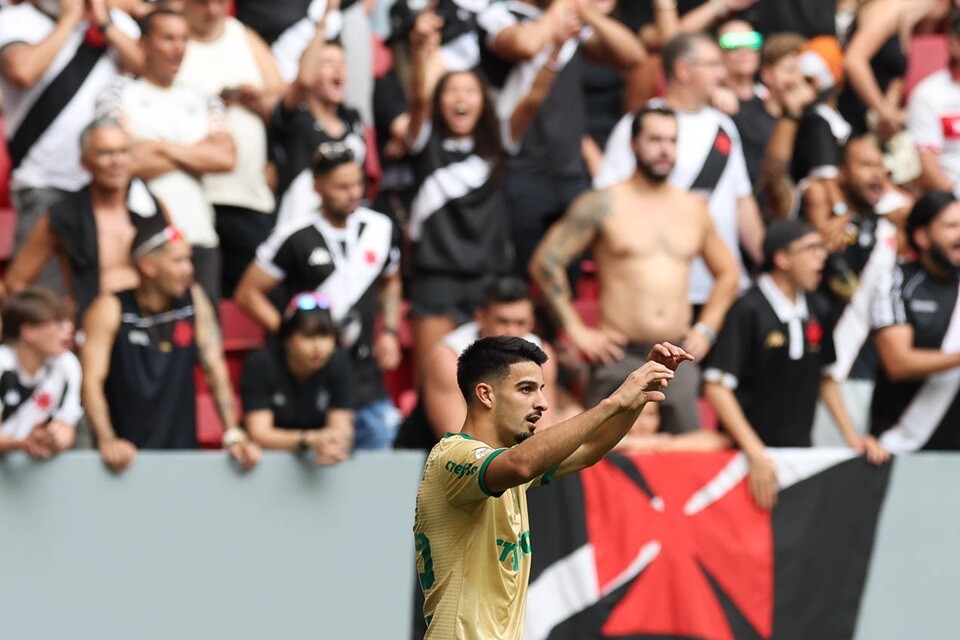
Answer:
(458, 217)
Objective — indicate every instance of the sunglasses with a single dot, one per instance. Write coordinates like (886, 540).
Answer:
(752, 40)
(307, 301)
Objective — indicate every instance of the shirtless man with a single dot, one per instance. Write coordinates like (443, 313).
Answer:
(644, 233)
(90, 231)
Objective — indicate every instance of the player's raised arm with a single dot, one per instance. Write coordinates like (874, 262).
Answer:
(582, 440)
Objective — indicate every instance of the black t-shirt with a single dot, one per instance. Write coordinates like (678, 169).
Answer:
(271, 19)
(820, 137)
(458, 218)
(914, 297)
(756, 126)
(294, 137)
(603, 95)
(266, 383)
(551, 145)
(752, 356)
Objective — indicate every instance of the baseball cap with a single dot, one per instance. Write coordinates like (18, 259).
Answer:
(822, 59)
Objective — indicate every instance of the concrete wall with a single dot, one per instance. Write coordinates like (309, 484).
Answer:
(184, 546)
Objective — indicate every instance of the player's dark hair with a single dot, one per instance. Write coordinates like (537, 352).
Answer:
(506, 290)
(680, 47)
(33, 305)
(486, 136)
(925, 211)
(639, 119)
(489, 359)
(149, 22)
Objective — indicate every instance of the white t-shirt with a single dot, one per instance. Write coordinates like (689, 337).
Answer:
(698, 135)
(174, 114)
(52, 393)
(54, 159)
(933, 119)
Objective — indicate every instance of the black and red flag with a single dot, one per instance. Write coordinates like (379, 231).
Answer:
(671, 547)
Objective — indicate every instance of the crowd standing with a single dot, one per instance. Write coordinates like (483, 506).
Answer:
(379, 183)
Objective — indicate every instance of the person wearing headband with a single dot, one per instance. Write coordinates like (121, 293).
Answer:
(297, 394)
(142, 346)
(767, 368)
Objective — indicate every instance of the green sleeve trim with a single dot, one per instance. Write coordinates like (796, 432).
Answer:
(483, 473)
(548, 476)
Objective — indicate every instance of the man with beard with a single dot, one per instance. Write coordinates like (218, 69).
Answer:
(858, 221)
(471, 528)
(644, 233)
(916, 403)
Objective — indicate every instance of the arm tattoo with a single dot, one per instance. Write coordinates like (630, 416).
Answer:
(570, 237)
(210, 351)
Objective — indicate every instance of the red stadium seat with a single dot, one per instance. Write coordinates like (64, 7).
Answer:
(589, 310)
(407, 401)
(708, 415)
(209, 427)
(5, 167)
(928, 53)
(240, 332)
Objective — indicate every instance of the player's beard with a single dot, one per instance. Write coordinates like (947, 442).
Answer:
(648, 172)
(523, 435)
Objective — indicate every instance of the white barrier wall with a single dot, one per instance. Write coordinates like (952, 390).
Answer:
(182, 546)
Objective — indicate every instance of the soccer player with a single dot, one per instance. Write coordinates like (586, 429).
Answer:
(471, 528)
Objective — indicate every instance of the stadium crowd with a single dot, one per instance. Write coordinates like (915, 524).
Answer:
(377, 184)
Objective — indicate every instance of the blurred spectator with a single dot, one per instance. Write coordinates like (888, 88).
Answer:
(179, 136)
(534, 42)
(90, 231)
(351, 255)
(709, 155)
(276, 20)
(458, 224)
(934, 119)
(398, 184)
(312, 112)
(39, 376)
(645, 435)
(643, 274)
(790, 94)
(765, 372)
(754, 117)
(875, 60)
(860, 225)
(507, 311)
(916, 403)
(141, 348)
(459, 44)
(822, 129)
(55, 58)
(296, 393)
(226, 59)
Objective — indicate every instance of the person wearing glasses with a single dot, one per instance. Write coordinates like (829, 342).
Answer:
(39, 376)
(767, 368)
(351, 255)
(296, 393)
(141, 348)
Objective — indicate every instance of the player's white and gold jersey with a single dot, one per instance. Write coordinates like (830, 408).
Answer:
(473, 547)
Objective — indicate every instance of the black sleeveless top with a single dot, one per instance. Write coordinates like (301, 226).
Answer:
(150, 388)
